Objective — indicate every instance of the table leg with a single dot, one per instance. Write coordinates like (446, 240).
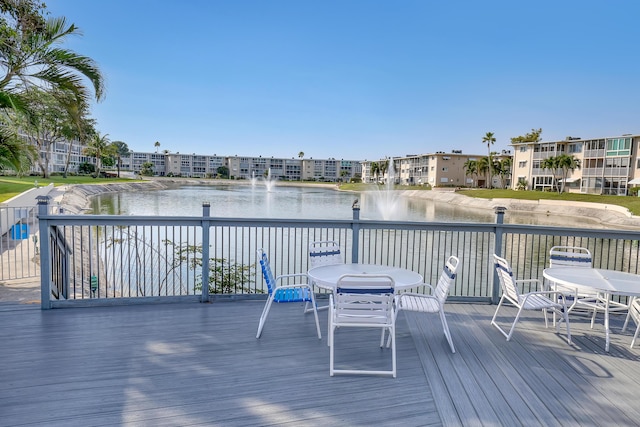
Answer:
(606, 321)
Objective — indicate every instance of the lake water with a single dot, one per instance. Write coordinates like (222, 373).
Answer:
(308, 202)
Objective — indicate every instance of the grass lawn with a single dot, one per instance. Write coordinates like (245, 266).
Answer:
(11, 186)
(629, 202)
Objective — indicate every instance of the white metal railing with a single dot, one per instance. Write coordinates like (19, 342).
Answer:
(106, 259)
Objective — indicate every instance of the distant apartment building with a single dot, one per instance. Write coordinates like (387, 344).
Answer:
(207, 166)
(607, 165)
(439, 169)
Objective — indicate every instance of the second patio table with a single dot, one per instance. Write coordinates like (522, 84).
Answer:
(608, 282)
(327, 276)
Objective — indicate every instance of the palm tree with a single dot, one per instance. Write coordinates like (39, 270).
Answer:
(98, 147)
(120, 150)
(566, 163)
(551, 163)
(14, 153)
(471, 169)
(489, 139)
(157, 145)
(375, 170)
(31, 56)
(482, 167)
(301, 154)
(383, 167)
(505, 170)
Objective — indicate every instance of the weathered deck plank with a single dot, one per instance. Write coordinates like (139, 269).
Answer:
(200, 364)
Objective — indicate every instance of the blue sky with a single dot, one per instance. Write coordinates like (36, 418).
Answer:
(358, 79)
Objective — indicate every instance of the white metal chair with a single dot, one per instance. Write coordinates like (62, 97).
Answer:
(576, 256)
(634, 313)
(535, 300)
(363, 301)
(433, 303)
(284, 293)
(325, 252)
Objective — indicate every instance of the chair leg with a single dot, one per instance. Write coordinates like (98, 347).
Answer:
(395, 319)
(263, 316)
(513, 326)
(315, 314)
(566, 319)
(493, 320)
(392, 334)
(635, 336)
(445, 327)
(626, 320)
(593, 317)
(330, 339)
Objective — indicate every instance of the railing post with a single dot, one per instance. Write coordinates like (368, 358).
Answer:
(45, 253)
(206, 213)
(355, 232)
(495, 288)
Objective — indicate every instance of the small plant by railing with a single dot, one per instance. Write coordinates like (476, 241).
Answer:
(225, 276)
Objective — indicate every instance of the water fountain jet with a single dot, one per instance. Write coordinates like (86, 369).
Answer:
(387, 200)
(268, 181)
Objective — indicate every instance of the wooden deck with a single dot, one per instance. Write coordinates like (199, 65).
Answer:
(200, 364)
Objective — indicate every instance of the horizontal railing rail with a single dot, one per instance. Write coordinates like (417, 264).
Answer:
(106, 259)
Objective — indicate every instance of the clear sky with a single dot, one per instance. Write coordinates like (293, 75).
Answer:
(358, 79)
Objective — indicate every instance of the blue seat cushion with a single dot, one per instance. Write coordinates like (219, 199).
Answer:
(292, 295)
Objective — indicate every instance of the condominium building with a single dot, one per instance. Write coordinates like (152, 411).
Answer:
(207, 166)
(607, 165)
(439, 169)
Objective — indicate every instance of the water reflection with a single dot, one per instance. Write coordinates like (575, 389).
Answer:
(247, 201)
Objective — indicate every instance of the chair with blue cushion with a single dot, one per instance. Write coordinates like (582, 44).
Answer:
(281, 291)
(363, 301)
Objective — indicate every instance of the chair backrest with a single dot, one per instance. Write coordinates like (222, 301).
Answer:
(447, 278)
(325, 252)
(505, 276)
(570, 256)
(267, 273)
(365, 298)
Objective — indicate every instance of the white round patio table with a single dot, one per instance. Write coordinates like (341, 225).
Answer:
(608, 282)
(326, 276)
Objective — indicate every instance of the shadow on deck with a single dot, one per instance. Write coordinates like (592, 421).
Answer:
(200, 364)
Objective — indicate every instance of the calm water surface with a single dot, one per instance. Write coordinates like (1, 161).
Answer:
(247, 201)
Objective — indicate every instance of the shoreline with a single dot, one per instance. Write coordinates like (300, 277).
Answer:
(77, 199)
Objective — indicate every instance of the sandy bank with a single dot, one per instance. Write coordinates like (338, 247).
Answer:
(606, 214)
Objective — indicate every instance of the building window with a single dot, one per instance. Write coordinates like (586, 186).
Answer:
(522, 164)
(575, 148)
(618, 146)
(523, 148)
(445, 169)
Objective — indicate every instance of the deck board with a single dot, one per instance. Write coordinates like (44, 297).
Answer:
(198, 364)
